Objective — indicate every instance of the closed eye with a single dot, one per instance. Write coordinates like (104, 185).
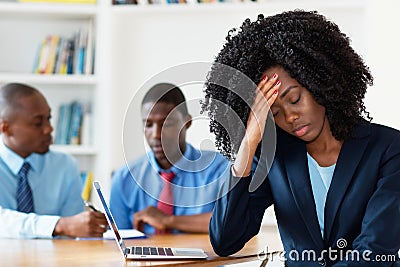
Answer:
(297, 100)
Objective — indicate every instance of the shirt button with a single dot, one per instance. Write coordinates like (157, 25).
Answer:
(322, 262)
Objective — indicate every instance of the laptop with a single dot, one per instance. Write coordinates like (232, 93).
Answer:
(146, 253)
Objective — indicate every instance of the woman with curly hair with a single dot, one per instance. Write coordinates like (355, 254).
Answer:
(334, 179)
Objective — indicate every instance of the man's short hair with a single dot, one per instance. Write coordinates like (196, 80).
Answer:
(166, 93)
(10, 94)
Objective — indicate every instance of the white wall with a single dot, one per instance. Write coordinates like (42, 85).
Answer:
(146, 43)
(383, 57)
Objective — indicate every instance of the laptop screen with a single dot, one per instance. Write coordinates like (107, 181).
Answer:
(109, 217)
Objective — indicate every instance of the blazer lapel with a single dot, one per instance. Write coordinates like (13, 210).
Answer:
(300, 185)
(349, 158)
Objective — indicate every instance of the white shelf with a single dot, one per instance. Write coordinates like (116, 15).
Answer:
(51, 10)
(234, 6)
(55, 79)
(77, 150)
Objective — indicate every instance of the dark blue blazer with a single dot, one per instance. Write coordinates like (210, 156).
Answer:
(362, 205)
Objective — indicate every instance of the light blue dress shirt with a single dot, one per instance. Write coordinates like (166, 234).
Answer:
(321, 178)
(55, 183)
(199, 175)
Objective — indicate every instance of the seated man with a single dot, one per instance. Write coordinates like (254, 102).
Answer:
(174, 186)
(40, 192)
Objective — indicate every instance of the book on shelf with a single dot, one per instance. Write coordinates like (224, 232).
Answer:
(65, 123)
(37, 58)
(60, 55)
(53, 54)
(61, 66)
(158, 2)
(81, 51)
(70, 128)
(76, 124)
(60, 1)
(43, 56)
(58, 128)
(87, 181)
(125, 2)
(89, 57)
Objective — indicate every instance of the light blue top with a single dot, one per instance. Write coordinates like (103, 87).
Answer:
(199, 175)
(55, 183)
(321, 178)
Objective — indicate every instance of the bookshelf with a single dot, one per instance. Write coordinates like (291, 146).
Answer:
(23, 26)
(56, 10)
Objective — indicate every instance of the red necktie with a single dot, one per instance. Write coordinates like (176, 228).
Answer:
(166, 197)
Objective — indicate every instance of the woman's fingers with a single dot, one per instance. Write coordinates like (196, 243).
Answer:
(273, 93)
(267, 92)
(267, 84)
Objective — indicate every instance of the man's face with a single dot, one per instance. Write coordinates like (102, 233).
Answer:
(28, 129)
(165, 131)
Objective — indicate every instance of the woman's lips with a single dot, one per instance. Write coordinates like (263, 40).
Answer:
(301, 131)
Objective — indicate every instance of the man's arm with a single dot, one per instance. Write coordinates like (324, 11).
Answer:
(70, 196)
(197, 223)
(14, 224)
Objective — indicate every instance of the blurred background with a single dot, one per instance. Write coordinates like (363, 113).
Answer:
(127, 48)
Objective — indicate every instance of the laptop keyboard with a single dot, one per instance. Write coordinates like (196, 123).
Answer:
(150, 251)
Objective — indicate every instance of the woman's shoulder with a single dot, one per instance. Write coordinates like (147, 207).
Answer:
(380, 137)
(384, 128)
(384, 131)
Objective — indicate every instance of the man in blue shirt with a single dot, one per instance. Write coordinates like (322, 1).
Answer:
(40, 192)
(139, 192)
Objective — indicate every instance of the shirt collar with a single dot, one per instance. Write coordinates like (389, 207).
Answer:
(188, 151)
(15, 162)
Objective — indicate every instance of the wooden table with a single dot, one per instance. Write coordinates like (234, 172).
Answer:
(73, 253)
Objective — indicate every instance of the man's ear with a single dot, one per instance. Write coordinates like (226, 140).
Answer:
(188, 120)
(3, 126)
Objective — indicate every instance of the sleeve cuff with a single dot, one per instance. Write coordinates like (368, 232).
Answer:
(45, 226)
(234, 174)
